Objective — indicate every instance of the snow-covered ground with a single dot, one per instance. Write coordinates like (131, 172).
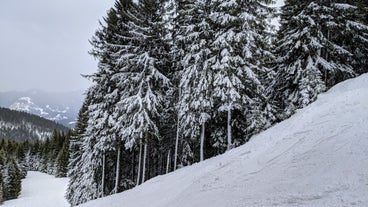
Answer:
(41, 190)
(318, 157)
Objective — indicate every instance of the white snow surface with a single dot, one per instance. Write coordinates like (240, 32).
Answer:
(41, 190)
(318, 157)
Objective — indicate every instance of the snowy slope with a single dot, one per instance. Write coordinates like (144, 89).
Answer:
(41, 190)
(318, 157)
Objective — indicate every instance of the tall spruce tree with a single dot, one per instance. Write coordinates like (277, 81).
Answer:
(126, 99)
(12, 181)
(62, 158)
(143, 68)
(309, 58)
(102, 130)
(194, 37)
(2, 167)
(352, 32)
(241, 50)
(75, 154)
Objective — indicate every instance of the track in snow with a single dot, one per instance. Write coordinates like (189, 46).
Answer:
(41, 190)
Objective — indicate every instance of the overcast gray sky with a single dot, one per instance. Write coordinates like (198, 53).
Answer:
(44, 43)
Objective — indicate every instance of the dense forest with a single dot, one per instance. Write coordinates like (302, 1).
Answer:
(29, 142)
(16, 158)
(23, 126)
(182, 81)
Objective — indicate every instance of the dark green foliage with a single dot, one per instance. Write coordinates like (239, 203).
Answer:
(1, 177)
(23, 126)
(62, 158)
(12, 184)
(320, 44)
(49, 156)
(73, 194)
(10, 170)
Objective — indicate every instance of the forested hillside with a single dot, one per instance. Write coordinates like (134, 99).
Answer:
(16, 158)
(22, 126)
(182, 81)
(316, 158)
(59, 107)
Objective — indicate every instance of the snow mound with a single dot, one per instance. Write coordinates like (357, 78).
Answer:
(318, 157)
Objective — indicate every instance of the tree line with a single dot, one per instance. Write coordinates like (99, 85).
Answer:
(180, 81)
(21, 126)
(16, 158)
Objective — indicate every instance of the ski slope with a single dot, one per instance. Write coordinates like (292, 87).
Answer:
(41, 190)
(318, 157)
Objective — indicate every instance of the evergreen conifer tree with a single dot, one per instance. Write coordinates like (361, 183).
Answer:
(75, 153)
(194, 38)
(12, 181)
(62, 159)
(241, 50)
(309, 57)
(351, 31)
(1, 174)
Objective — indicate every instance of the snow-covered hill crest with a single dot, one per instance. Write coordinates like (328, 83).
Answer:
(318, 157)
(25, 104)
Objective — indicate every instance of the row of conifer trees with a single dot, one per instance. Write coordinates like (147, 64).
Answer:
(11, 172)
(181, 81)
(16, 158)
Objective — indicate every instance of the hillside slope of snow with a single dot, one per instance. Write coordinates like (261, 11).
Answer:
(41, 190)
(318, 157)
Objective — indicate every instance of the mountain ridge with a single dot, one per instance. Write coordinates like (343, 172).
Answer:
(21, 126)
(62, 107)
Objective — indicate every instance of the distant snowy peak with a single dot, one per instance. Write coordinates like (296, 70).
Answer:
(25, 104)
(62, 107)
(54, 113)
(27, 99)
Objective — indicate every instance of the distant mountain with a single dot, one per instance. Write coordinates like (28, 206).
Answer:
(59, 107)
(22, 126)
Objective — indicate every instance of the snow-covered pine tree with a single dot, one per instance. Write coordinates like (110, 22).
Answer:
(10, 170)
(308, 56)
(105, 113)
(98, 140)
(143, 71)
(21, 155)
(12, 181)
(35, 156)
(75, 154)
(46, 161)
(62, 159)
(194, 37)
(241, 50)
(2, 168)
(1, 189)
(168, 129)
(351, 31)
(97, 137)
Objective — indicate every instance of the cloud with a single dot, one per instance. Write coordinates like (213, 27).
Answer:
(44, 44)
